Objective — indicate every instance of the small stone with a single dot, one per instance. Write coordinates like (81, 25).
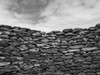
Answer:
(67, 57)
(36, 64)
(88, 58)
(83, 32)
(36, 34)
(45, 40)
(67, 74)
(94, 66)
(34, 50)
(23, 47)
(81, 73)
(0, 32)
(1, 57)
(27, 38)
(40, 44)
(98, 73)
(51, 37)
(76, 30)
(19, 58)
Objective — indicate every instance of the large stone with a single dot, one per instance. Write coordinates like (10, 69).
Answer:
(4, 63)
(73, 50)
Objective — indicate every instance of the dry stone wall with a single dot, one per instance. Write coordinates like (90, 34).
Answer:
(31, 52)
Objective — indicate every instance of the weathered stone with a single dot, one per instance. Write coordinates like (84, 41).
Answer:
(34, 50)
(4, 36)
(67, 30)
(40, 44)
(89, 48)
(81, 73)
(97, 25)
(36, 64)
(94, 65)
(4, 63)
(27, 38)
(88, 58)
(23, 47)
(76, 46)
(69, 53)
(67, 57)
(83, 32)
(73, 50)
(36, 34)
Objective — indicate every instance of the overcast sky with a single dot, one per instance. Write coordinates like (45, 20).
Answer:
(57, 15)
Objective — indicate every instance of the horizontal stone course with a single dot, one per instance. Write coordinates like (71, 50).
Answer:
(67, 52)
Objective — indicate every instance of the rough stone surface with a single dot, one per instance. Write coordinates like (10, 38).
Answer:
(68, 52)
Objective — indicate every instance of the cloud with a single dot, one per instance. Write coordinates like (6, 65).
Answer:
(58, 15)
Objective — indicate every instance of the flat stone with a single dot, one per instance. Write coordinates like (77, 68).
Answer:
(40, 44)
(4, 36)
(45, 40)
(94, 66)
(34, 50)
(36, 64)
(69, 53)
(73, 50)
(67, 74)
(36, 34)
(1, 39)
(4, 63)
(81, 73)
(89, 48)
(51, 37)
(76, 46)
(67, 30)
(91, 74)
(67, 57)
(27, 38)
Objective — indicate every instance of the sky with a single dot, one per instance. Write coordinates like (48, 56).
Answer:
(55, 15)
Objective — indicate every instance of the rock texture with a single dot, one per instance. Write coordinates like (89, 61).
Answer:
(68, 52)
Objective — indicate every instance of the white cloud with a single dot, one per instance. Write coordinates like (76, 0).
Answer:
(60, 14)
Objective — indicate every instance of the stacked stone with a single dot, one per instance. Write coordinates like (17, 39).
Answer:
(31, 52)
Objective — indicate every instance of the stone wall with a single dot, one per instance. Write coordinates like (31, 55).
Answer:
(30, 52)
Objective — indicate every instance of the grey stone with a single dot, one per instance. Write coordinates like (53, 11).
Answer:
(67, 30)
(89, 48)
(76, 46)
(4, 63)
(81, 73)
(23, 47)
(73, 50)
